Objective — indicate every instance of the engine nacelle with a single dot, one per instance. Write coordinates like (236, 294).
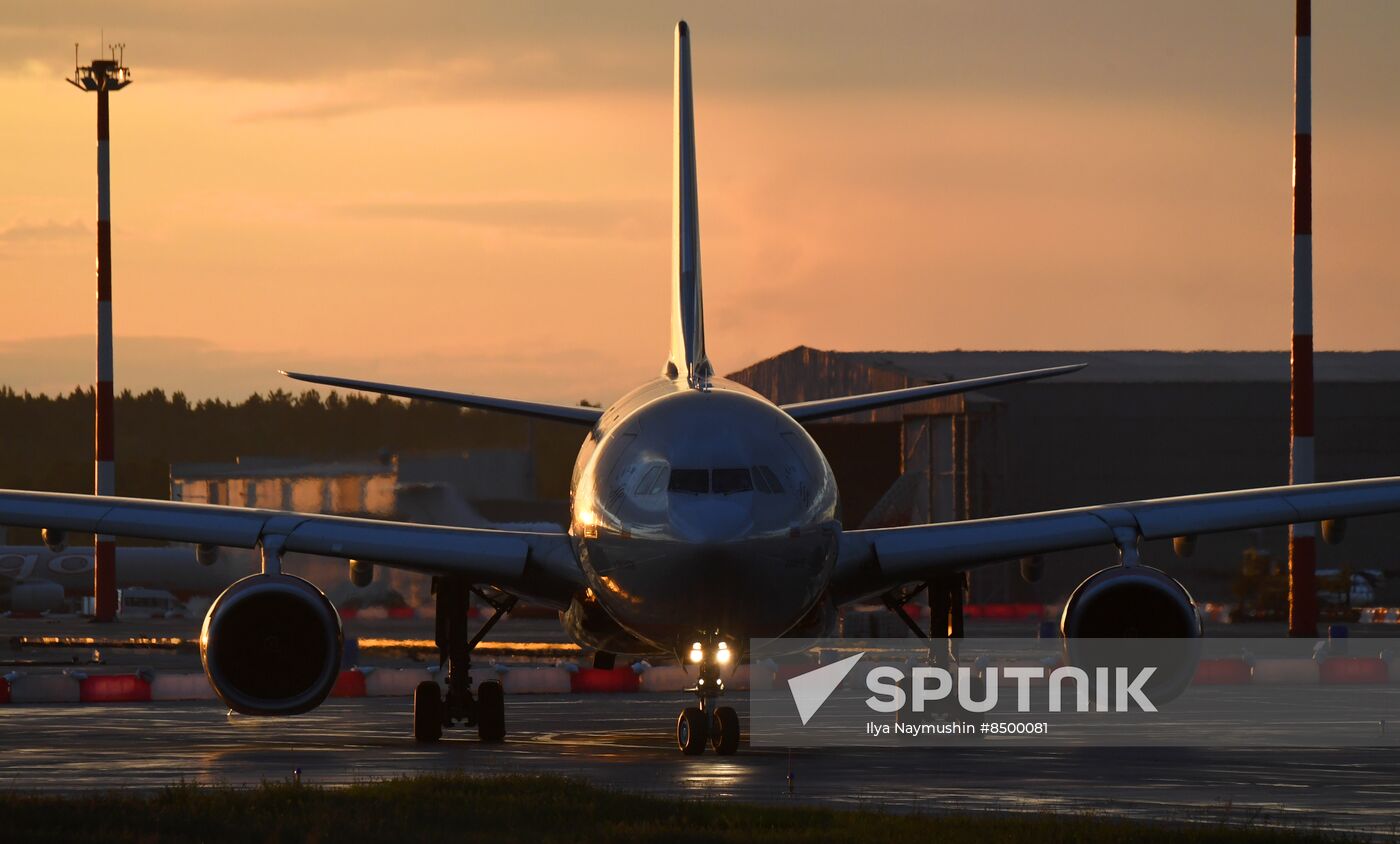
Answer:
(1334, 531)
(361, 573)
(1032, 568)
(1142, 604)
(271, 645)
(54, 539)
(1137, 602)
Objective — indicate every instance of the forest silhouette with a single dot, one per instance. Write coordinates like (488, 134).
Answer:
(46, 443)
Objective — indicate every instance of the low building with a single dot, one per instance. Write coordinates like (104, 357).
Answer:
(477, 488)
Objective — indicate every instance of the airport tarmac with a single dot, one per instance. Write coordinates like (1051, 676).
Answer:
(624, 742)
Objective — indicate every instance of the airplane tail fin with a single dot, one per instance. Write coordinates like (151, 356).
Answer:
(688, 359)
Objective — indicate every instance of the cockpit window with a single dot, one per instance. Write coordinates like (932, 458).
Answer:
(767, 479)
(644, 486)
(691, 481)
(732, 480)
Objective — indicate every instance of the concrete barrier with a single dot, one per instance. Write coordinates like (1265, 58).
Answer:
(526, 681)
(665, 678)
(1284, 672)
(396, 682)
(368, 681)
(187, 686)
(44, 688)
(783, 673)
(740, 680)
(761, 676)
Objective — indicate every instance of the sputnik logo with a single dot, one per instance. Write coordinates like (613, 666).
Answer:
(810, 690)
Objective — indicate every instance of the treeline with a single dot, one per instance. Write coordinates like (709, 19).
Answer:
(46, 443)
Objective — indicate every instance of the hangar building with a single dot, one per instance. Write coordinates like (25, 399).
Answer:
(1131, 425)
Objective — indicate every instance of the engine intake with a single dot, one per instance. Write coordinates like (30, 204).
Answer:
(1137, 602)
(1134, 616)
(271, 645)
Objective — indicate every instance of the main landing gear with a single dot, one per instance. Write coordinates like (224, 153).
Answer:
(432, 710)
(707, 723)
(945, 629)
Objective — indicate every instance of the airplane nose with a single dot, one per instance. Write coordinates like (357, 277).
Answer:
(710, 519)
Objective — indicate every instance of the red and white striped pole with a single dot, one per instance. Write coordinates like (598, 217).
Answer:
(104, 583)
(103, 76)
(1302, 538)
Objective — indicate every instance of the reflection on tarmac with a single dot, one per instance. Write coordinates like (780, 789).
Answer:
(624, 742)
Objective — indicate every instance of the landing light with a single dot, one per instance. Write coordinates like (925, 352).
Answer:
(722, 655)
(696, 653)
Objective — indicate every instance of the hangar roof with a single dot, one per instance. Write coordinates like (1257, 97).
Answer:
(1137, 366)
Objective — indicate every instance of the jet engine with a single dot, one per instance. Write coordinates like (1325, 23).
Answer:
(271, 645)
(1137, 602)
(1146, 607)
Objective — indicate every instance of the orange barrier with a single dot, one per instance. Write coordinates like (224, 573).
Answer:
(44, 688)
(999, 612)
(1353, 670)
(604, 680)
(1004, 612)
(350, 683)
(113, 688)
(1221, 672)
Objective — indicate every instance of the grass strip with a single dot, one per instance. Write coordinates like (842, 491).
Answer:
(538, 809)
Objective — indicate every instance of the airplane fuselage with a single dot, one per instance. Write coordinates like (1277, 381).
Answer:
(703, 512)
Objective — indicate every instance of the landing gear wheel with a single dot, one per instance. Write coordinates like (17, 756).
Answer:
(427, 712)
(491, 711)
(725, 734)
(692, 731)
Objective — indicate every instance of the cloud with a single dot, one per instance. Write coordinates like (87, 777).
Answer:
(591, 218)
(202, 368)
(48, 230)
(1236, 55)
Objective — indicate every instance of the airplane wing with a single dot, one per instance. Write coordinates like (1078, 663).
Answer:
(540, 566)
(873, 561)
(539, 410)
(823, 408)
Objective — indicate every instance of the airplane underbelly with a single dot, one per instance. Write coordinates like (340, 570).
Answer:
(668, 592)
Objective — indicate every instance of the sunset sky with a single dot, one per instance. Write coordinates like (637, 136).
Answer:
(477, 197)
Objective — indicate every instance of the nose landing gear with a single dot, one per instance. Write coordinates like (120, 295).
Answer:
(707, 723)
(486, 710)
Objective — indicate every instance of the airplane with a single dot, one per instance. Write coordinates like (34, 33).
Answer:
(38, 578)
(702, 516)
